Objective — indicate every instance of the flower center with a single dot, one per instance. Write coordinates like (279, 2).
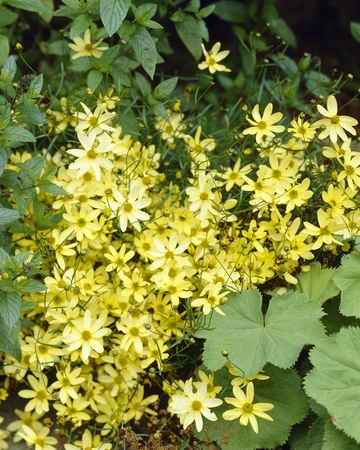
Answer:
(127, 207)
(196, 405)
(335, 120)
(262, 125)
(349, 170)
(293, 194)
(247, 408)
(204, 196)
(81, 223)
(86, 335)
(91, 154)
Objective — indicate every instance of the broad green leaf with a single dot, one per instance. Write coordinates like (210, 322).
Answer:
(49, 174)
(333, 320)
(145, 50)
(7, 17)
(80, 24)
(9, 339)
(58, 47)
(282, 389)
(189, 31)
(26, 285)
(355, 30)
(94, 79)
(112, 13)
(4, 49)
(231, 11)
(291, 322)
(9, 178)
(317, 283)
(47, 15)
(23, 198)
(335, 380)
(10, 307)
(7, 216)
(347, 278)
(38, 6)
(280, 27)
(205, 12)
(14, 134)
(336, 439)
(35, 164)
(5, 116)
(8, 70)
(31, 115)
(3, 160)
(143, 84)
(35, 87)
(51, 188)
(165, 88)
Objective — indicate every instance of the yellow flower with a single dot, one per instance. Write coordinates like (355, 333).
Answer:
(84, 47)
(40, 394)
(81, 222)
(325, 231)
(297, 195)
(168, 249)
(118, 260)
(302, 129)
(170, 127)
(264, 125)
(134, 286)
(25, 418)
(235, 175)
(94, 121)
(245, 409)
(90, 157)
(201, 197)
(191, 406)
(210, 299)
(334, 124)
(351, 170)
(67, 382)
(209, 381)
(87, 335)
(39, 438)
(138, 405)
(197, 147)
(212, 59)
(88, 442)
(74, 410)
(4, 434)
(134, 329)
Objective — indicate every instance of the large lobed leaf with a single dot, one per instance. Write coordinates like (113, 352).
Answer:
(347, 278)
(252, 340)
(335, 380)
(317, 283)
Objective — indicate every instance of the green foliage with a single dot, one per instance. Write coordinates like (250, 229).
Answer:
(317, 283)
(282, 389)
(355, 30)
(339, 354)
(112, 13)
(290, 322)
(347, 278)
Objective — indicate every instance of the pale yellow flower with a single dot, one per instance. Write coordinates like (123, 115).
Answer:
(84, 47)
(264, 125)
(212, 59)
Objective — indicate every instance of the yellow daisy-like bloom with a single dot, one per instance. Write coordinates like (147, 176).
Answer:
(302, 129)
(191, 406)
(67, 382)
(90, 157)
(87, 335)
(118, 260)
(39, 438)
(84, 47)
(210, 299)
(4, 434)
(334, 124)
(264, 125)
(40, 394)
(197, 147)
(88, 442)
(245, 409)
(202, 198)
(235, 175)
(212, 59)
(324, 233)
(81, 223)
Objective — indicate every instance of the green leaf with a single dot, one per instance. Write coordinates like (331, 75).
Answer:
(334, 438)
(231, 11)
(49, 174)
(7, 17)
(355, 30)
(317, 283)
(94, 79)
(8, 70)
(35, 165)
(35, 87)
(80, 24)
(22, 198)
(38, 6)
(26, 285)
(280, 27)
(335, 380)
(291, 322)
(9, 178)
(3, 160)
(58, 47)
(145, 50)
(282, 389)
(165, 88)
(31, 115)
(347, 278)
(145, 12)
(7, 216)
(112, 13)
(4, 49)
(10, 307)
(51, 188)
(205, 12)
(189, 32)
(143, 84)
(9, 342)
(15, 134)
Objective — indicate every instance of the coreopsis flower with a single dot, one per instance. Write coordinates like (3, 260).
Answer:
(68, 383)
(118, 260)
(337, 151)
(264, 125)
(39, 438)
(296, 196)
(128, 209)
(351, 170)
(211, 298)
(302, 129)
(58, 243)
(40, 394)
(90, 157)
(201, 198)
(191, 406)
(235, 175)
(171, 126)
(138, 405)
(134, 286)
(168, 249)
(212, 390)
(25, 418)
(84, 47)
(212, 59)
(135, 329)
(198, 148)
(245, 409)
(324, 232)
(4, 434)
(81, 222)
(89, 442)
(87, 335)
(335, 125)
(242, 381)
(74, 410)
